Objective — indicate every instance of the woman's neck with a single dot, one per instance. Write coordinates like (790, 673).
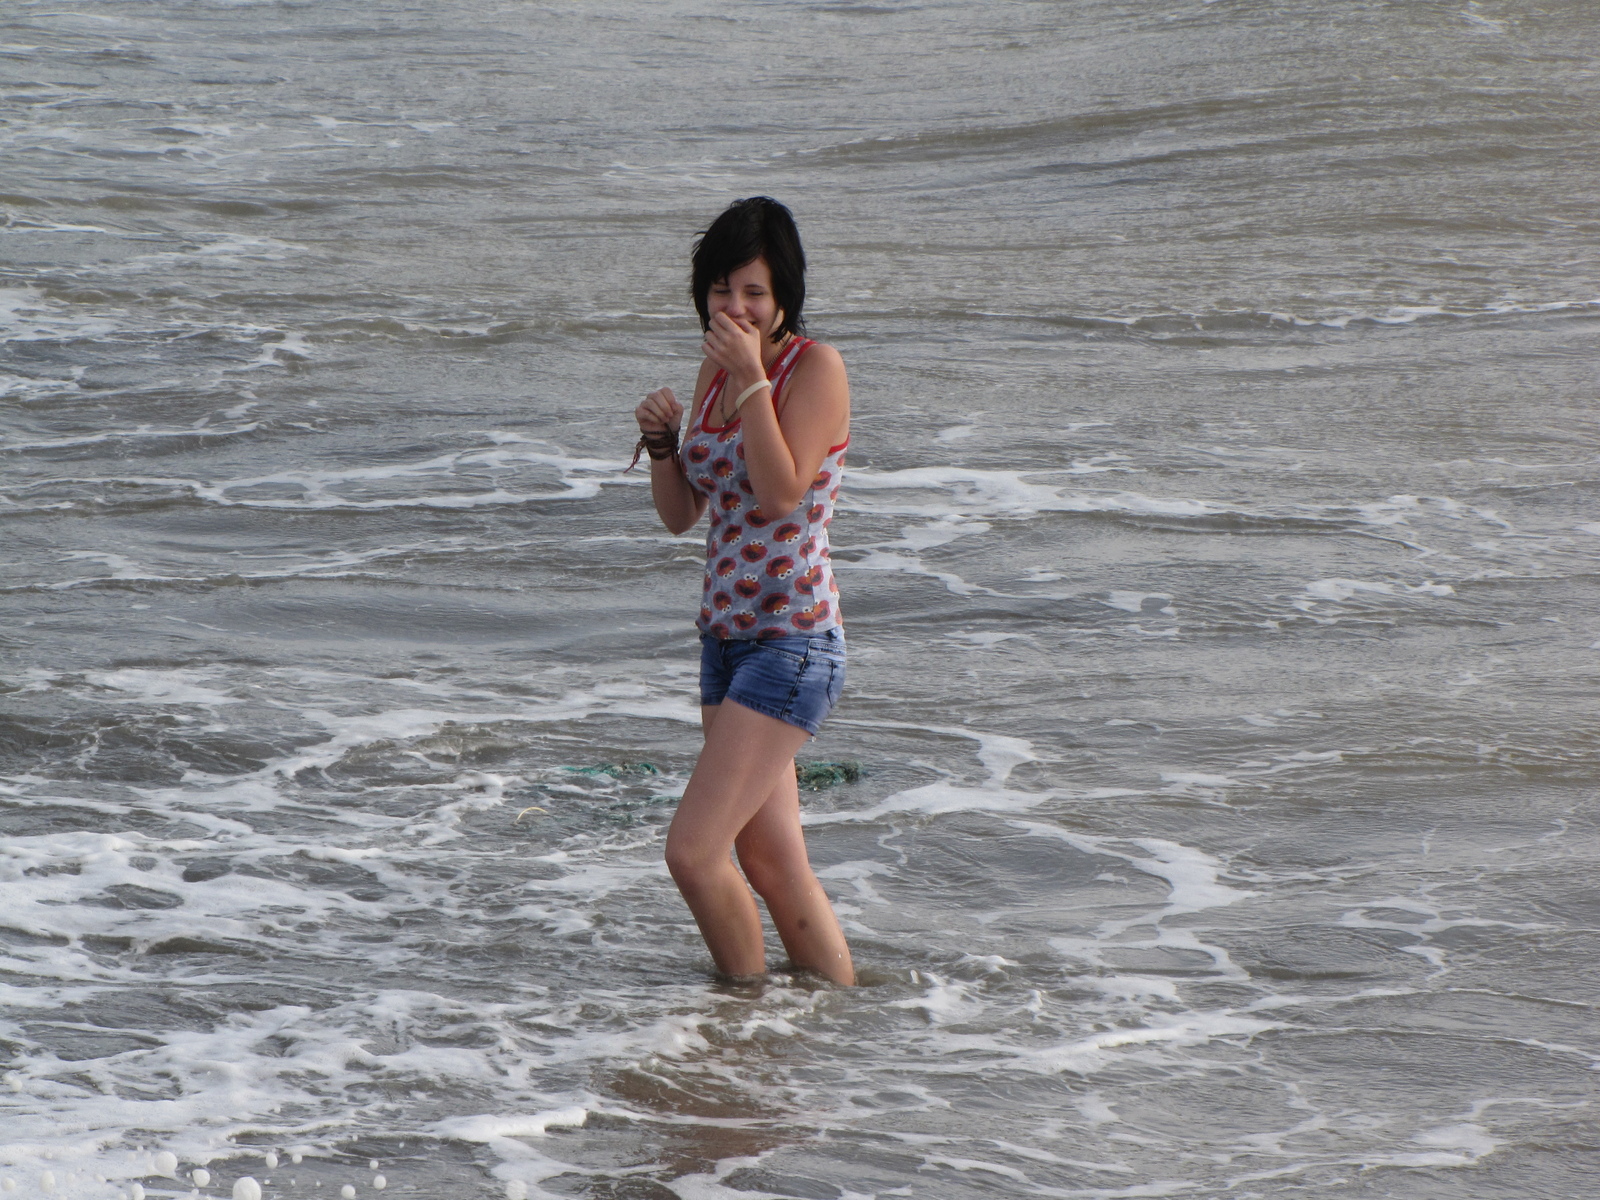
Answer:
(771, 351)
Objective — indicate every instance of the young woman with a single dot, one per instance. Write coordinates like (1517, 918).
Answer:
(763, 452)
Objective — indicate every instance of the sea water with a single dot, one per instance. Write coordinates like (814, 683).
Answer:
(1218, 552)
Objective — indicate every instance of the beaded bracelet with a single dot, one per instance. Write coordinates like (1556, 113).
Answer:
(666, 441)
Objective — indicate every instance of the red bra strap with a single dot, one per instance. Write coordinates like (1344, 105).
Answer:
(800, 348)
(720, 379)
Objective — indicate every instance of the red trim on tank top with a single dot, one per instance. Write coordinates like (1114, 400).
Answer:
(712, 392)
(718, 380)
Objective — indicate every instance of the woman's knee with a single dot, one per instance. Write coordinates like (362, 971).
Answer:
(689, 862)
(769, 870)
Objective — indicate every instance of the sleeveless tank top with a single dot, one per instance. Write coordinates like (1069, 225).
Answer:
(767, 575)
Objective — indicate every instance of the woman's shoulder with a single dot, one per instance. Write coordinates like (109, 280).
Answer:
(820, 359)
(818, 381)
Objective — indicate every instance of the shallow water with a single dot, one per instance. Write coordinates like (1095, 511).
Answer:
(1218, 551)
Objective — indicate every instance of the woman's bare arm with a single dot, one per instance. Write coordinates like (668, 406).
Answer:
(677, 504)
(782, 456)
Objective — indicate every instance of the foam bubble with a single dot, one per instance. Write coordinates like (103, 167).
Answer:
(489, 1128)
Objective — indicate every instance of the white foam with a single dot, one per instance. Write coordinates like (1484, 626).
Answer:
(1468, 1141)
(1407, 314)
(975, 492)
(142, 686)
(1096, 1109)
(27, 315)
(1194, 885)
(981, 640)
(859, 874)
(1095, 1053)
(1300, 759)
(945, 1001)
(291, 346)
(999, 753)
(879, 560)
(977, 1164)
(139, 433)
(1340, 590)
(1190, 780)
(24, 389)
(1134, 602)
(578, 479)
(328, 564)
(1193, 875)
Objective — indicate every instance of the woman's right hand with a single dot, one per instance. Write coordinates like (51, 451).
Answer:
(659, 413)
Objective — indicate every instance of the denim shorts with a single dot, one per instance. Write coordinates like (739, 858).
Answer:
(795, 679)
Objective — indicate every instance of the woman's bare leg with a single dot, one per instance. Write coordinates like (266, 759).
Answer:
(772, 851)
(743, 760)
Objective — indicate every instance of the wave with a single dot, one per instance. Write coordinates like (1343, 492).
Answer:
(1223, 321)
(141, 433)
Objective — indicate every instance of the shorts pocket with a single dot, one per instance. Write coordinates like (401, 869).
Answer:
(828, 648)
(792, 649)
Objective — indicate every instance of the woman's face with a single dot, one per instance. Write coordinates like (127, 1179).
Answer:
(746, 295)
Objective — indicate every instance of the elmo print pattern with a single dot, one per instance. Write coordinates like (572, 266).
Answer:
(765, 576)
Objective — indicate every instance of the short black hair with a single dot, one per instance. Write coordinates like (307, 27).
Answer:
(757, 227)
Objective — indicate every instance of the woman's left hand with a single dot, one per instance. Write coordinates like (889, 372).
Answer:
(735, 346)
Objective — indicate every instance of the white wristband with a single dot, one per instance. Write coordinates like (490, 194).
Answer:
(750, 391)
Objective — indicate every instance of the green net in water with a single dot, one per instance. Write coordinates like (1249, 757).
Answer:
(819, 775)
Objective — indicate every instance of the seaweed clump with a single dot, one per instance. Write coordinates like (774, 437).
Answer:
(818, 775)
(811, 775)
(618, 770)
